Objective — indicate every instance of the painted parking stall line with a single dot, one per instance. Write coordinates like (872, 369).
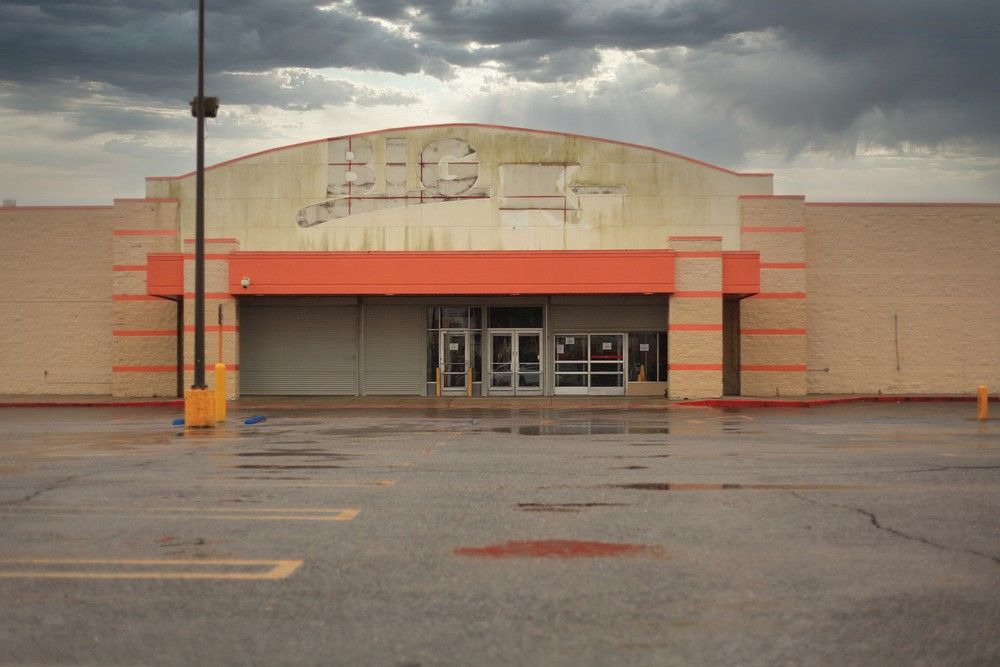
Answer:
(147, 568)
(189, 513)
(249, 482)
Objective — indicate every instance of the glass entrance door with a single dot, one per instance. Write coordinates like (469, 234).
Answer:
(502, 363)
(454, 361)
(529, 363)
(515, 363)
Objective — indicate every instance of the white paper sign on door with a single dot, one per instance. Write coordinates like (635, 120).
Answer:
(453, 347)
(560, 349)
(605, 346)
(644, 347)
(569, 340)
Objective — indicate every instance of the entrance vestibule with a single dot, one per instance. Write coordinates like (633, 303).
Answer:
(515, 366)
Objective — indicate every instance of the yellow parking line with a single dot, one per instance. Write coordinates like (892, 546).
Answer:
(236, 481)
(228, 513)
(131, 568)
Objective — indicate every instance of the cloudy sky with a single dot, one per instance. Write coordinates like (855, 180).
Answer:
(846, 100)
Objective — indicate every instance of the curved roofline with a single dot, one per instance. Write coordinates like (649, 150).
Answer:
(479, 125)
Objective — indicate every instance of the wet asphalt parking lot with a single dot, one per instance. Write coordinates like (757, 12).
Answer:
(856, 534)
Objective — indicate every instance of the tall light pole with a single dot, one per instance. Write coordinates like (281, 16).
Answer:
(199, 402)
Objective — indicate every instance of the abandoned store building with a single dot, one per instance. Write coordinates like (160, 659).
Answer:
(467, 259)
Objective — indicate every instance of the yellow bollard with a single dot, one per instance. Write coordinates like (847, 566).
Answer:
(437, 382)
(983, 403)
(468, 383)
(199, 408)
(220, 392)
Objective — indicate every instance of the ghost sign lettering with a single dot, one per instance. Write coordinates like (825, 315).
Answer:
(449, 171)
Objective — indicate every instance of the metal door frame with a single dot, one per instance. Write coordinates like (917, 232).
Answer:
(513, 389)
(623, 364)
(589, 390)
(467, 334)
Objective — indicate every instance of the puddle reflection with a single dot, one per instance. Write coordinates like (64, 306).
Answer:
(582, 428)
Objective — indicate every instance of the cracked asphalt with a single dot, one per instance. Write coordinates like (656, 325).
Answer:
(858, 534)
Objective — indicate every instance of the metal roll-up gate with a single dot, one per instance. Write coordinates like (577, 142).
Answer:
(602, 314)
(303, 347)
(395, 338)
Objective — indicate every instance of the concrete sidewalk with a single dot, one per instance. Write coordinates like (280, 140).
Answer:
(490, 403)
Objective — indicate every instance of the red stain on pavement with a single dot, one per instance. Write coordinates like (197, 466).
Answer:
(559, 549)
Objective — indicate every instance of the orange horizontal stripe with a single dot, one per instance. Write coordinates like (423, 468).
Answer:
(772, 197)
(773, 332)
(134, 297)
(216, 240)
(694, 327)
(697, 254)
(213, 329)
(782, 265)
(781, 369)
(695, 367)
(779, 295)
(208, 255)
(910, 204)
(143, 332)
(86, 207)
(694, 238)
(696, 295)
(210, 295)
(166, 369)
(129, 267)
(772, 230)
(144, 369)
(144, 232)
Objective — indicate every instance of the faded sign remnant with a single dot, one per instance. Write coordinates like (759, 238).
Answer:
(449, 169)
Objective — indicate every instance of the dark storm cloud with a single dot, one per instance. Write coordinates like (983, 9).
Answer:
(816, 73)
(818, 66)
(148, 47)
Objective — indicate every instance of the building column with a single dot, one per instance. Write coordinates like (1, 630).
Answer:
(694, 345)
(773, 322)
(216, 292)
(144, 336)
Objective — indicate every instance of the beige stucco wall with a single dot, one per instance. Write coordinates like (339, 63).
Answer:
(56, 312)
(694, 332)
(773, 322)
(934, 268)
(258, 199)
(144, 343)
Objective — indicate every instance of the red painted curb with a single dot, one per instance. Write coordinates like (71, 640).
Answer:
(178, 403)
(808, 403)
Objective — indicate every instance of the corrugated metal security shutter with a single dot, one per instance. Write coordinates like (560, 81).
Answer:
(395, 337)
(605, 316)
(298, 350)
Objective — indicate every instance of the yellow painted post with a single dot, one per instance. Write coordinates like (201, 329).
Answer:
(983, 411)
(437, 382)
(220, 391)
(468, 382)
(220, 379)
